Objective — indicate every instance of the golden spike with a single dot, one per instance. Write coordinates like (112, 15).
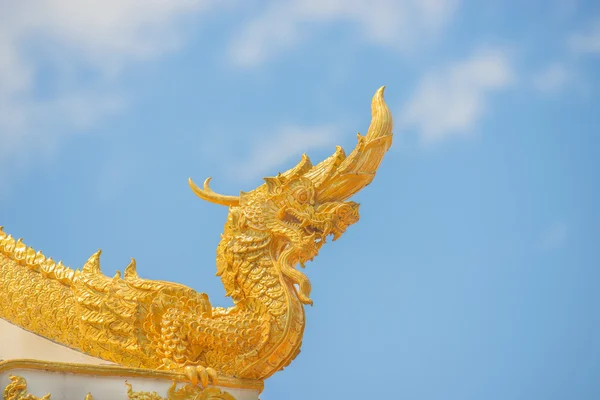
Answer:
(61, 272)
(40, 258)
(19, 251)
(212, 197)
(92, 266)
(69, 275)
(326, 168)
(302, 167)
(48, 269)
(30, 257)
(58, 270)
(130, 272)
(9, 244)
(273, 183)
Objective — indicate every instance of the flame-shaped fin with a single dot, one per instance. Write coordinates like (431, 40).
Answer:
(301, 168)
(49, 267)
(326, 168)
(19, 251)
(30, 257)
(130, 271)
(9, 244)
(92, 266)
(40, 258)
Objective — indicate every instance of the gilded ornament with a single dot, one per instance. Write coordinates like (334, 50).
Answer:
(17, 390)
(187, 392)
(165, 326)
(120, 371)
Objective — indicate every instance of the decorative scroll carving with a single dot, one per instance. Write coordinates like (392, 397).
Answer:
(120, 371)
(17, 390)
(187, 392)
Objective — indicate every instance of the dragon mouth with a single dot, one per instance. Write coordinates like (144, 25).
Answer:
(299, 222)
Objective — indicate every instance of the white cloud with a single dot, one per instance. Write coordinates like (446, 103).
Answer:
(404, 24)
(287, 145)
(588, 41)
(450, 100)
(552, 78)
(62, 39)
(34, 125)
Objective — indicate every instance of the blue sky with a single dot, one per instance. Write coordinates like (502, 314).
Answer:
(474, 271)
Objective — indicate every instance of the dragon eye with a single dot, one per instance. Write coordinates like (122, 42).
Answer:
(302, 196)
(344, 211)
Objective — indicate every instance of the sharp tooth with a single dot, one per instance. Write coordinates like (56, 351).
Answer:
(302, 264)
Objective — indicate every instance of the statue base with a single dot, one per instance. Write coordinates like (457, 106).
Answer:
(60, 373)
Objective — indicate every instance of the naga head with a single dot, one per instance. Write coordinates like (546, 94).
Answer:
(294, 212)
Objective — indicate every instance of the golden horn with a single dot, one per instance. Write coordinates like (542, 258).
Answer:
(210, 196)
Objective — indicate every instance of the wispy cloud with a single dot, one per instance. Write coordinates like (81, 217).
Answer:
(552, 78)
(274, 151)
(586, 41)
(403, 24)
(450, 100)
(61, 41)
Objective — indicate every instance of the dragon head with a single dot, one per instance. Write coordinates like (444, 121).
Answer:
(293, 212)
(298, 209)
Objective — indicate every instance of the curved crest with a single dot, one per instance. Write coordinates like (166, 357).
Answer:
(338, 177)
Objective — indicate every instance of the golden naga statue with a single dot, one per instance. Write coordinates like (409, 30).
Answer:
(160, 325)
